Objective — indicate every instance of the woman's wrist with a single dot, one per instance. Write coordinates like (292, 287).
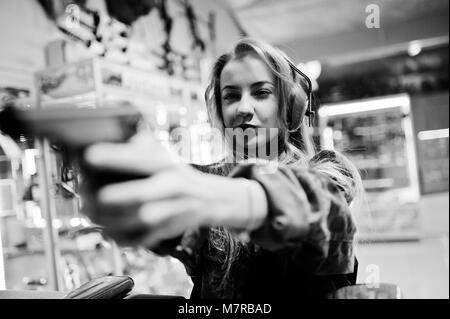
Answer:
(257, 207)
(236, 203)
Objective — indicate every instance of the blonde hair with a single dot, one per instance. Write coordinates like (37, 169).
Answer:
(295, 143)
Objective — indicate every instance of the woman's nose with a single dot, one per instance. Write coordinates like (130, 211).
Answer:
(246, 109)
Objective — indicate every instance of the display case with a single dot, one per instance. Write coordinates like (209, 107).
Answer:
(433, 153)
(377, 135)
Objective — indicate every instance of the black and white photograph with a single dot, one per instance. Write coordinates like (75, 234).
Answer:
(216, 156)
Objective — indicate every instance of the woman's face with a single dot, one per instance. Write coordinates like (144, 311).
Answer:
(249, 100)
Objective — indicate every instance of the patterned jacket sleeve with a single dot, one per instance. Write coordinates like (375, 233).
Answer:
(309, 218)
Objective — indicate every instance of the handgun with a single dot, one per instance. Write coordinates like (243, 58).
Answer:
(73, 129)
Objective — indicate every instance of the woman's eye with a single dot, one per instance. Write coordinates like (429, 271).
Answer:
(231, 97)
(263, 93)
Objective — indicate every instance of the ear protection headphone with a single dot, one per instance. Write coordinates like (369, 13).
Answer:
(295, 99)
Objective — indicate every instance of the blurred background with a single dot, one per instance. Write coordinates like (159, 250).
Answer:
(380, 72)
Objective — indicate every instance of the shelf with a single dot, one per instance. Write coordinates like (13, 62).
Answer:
(389, 237)
(11, 253)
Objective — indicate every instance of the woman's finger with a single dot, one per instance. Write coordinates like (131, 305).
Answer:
(140, 156)
(313, 189)
(117, 219)
(164, 185)
(156, 222)
(169, 219)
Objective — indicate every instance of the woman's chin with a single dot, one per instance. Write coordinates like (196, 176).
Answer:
(256, 148)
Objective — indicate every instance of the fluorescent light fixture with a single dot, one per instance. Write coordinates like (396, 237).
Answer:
(414, 48)
(30, 162)
(84, 222)
(433, 134)
(327, 135)
(312, 69)
(365, 106)
(75, 222)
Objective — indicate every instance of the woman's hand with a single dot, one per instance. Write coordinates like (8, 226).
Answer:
(175, 197)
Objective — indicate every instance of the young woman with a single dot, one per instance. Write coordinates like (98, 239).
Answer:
(241, 230)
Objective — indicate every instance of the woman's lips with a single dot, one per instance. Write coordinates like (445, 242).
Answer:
(246, 126)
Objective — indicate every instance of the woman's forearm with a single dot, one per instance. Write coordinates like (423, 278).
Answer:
(239, 204)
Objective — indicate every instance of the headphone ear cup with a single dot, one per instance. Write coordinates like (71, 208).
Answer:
(296, 107)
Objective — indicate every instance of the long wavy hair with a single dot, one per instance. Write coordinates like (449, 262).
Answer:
(296, 147)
